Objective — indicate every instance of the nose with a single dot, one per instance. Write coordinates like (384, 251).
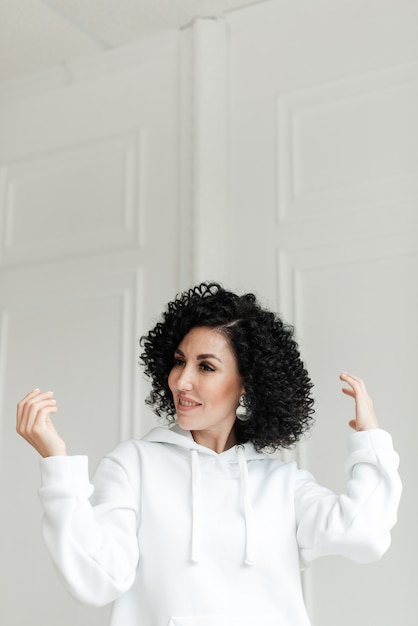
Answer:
(184, 381)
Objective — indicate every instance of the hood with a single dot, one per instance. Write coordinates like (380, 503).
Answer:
(240, 455)
(175, 435)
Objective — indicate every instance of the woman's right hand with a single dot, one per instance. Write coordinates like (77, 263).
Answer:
(34, 424)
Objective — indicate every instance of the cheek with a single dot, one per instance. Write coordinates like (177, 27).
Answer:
(231, 393)
(171, 380)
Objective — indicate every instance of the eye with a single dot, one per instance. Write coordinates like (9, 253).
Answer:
(178, 362)
(206, 367)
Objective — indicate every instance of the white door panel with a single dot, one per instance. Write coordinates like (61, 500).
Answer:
(324, 129)
(88, 177)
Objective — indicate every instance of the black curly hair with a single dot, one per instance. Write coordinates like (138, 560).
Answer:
(277, 385)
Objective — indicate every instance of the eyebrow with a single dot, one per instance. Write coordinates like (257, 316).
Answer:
(200, 357)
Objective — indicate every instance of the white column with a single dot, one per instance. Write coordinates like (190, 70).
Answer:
(204, 139)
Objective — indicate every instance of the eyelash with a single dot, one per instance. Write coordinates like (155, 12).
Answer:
(202, 365)
(206, 367)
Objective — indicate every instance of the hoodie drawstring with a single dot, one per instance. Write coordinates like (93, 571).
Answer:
(248, 511)
(197, 509)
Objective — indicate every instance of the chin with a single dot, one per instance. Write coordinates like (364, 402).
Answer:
(184, 423)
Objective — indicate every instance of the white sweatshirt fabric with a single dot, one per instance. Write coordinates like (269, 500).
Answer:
(177, 535)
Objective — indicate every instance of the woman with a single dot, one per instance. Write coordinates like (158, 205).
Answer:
(195, 525)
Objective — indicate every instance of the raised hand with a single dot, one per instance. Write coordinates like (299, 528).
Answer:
(365, 417)
(34, 424)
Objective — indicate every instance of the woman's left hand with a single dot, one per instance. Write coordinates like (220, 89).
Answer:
(365, 416)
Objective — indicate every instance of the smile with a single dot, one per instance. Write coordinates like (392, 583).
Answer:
(187, 402)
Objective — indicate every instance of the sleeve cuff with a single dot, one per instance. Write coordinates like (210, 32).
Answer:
(57, 470)
(370, 440)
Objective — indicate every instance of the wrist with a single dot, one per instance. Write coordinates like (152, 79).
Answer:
(61, 451)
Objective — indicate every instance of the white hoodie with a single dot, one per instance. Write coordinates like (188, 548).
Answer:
(178, 535)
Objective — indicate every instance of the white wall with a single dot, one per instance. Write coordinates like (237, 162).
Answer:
(323, 144)
(89, 249)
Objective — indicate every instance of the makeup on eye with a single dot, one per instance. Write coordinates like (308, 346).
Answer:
(180, 361)
(206, 367)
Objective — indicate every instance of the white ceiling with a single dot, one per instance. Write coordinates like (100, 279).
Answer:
(39, 34)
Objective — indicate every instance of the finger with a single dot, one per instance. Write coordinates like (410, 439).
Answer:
(33, 397)
(351, 375)
(31, 394)
(351, 379)
(365, 413)
(27, 407)
(35, 406)
(20, 409)
(38, 414)
(357, 384)
(39, 431)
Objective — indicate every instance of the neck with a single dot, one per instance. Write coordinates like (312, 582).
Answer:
(217, 443)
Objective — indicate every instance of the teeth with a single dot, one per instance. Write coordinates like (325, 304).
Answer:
(186, 403)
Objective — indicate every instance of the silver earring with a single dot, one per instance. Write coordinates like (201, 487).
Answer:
(242, 412)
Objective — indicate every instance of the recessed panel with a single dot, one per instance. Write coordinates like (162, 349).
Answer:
(356, 140)
(81, 346)
(349, 144)
(358, 314)
(80, 199)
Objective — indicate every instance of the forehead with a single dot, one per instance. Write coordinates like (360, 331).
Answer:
(203, 340)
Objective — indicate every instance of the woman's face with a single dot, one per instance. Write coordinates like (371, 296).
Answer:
(206, 385)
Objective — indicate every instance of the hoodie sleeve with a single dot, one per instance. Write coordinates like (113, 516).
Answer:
(90, 531)
(356, 524)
